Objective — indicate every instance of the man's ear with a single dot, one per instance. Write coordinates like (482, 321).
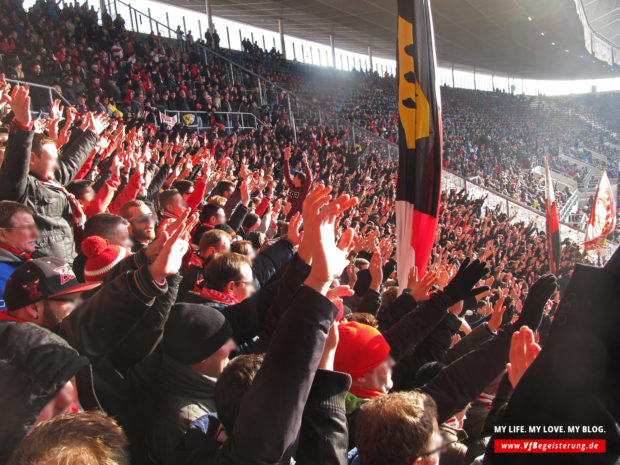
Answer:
(32, 312)
(229, 287)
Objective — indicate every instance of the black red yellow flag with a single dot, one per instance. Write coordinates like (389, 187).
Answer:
(419, 132)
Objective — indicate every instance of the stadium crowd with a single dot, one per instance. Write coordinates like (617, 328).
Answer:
(229, 296)
(497, 137)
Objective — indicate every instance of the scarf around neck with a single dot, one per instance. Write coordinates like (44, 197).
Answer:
(218, 296)
(77, 213)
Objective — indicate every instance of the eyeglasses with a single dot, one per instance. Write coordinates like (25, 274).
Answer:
(143, 218)
(32, 227)
(445, 443)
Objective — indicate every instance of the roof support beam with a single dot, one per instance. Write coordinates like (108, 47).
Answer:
(370, 57)
(209, 15)
(331, 42)
(282, 44)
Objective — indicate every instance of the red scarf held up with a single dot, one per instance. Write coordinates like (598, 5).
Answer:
(218, 296)
(79, 217)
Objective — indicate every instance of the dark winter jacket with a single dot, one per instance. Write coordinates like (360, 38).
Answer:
(186, 396)
(286, 398)
(34, 365)
(54, 216)
(323, 434)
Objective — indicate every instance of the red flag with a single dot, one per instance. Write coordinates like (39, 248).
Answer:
(553, 223)
(419, 131)
(603, 217)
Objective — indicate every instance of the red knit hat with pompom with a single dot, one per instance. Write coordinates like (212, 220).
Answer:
(101, 257)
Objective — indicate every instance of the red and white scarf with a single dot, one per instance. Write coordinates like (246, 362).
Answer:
(218, 296)
(79, 217)
(19, 253)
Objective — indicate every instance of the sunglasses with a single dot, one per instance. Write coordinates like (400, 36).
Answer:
(144, 218)
(18, 228)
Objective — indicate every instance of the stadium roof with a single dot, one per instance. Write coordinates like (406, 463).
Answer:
(539, 39)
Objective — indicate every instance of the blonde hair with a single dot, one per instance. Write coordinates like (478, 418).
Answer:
(88, 438)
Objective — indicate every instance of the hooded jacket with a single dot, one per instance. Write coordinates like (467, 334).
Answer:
(34, 365)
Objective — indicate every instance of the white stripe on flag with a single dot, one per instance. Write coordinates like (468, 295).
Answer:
(405, 255)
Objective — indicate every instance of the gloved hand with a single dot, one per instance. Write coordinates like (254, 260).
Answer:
(534, 305)
(461, 286)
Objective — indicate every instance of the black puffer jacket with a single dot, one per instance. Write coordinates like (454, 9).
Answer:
(54, 216)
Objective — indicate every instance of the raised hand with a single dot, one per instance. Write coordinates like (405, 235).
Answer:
(523, 352)
(461, 286)
(420, 287)
(287, 153)
(534, 305)
(311, 207)
(337, 293)
(498, 312)
(329, 259)
(351, 274)
(170, 257)
(294, 236)
(97, 122)
(376, 270)
(20, 104)
(56, 111)
(244, 189)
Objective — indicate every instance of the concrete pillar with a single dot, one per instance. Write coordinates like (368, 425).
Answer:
(102, 9)
(452, 75)
(331, 42)
(370, 57)
(282, 43)
(209, 15)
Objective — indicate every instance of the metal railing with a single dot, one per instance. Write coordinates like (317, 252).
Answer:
(51, 90)
(234, 119)
(137, 17)
(565, 211)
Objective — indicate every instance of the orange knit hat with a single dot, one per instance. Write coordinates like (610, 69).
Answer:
(361, 348)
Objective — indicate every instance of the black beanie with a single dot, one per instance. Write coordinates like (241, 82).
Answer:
(250, 220)
(193, 332)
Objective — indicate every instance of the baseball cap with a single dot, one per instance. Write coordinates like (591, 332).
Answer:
(40, 279)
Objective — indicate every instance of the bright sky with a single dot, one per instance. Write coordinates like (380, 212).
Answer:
(231, 33)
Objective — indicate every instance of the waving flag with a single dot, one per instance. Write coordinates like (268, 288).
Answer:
(553, 222)
(603, 216)
(419, 131)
